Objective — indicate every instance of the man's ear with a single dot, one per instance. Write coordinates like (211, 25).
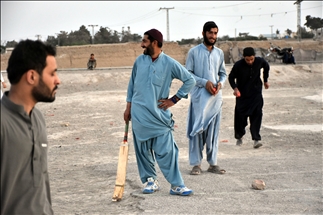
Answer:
(155, 42)
(31, 76)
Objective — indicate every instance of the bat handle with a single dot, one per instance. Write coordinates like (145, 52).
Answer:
(125, 137)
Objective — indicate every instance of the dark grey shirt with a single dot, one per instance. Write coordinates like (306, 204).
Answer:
(24, 178)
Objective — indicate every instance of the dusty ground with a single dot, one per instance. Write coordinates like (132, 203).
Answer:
(85, 126)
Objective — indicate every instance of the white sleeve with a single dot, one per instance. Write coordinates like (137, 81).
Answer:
(2, 80)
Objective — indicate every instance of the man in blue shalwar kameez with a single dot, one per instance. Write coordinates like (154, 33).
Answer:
(206, 63)
(148, 109)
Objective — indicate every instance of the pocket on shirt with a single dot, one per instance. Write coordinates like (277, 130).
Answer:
(157, 79)
(44, 151)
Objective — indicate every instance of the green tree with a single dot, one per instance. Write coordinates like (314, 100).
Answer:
(189, 41)
(288, 31)
(305, 34)
(80, 37)
(225, 37)
(51, 40)
(3, 49)
(62, 38)
(126, 35)
(11, 44)
(115, 37)
(313, 23)
(136, 37)
(103, 36)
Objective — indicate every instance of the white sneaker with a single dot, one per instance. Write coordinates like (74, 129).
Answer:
(181, 190)
(151, 186)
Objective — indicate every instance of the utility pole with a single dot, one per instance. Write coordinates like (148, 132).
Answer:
(271, 31)
(235, 34)
(167, 18)
(38, 36)
(298, 3)
(93, 32)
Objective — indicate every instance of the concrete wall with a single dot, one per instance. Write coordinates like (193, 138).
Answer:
(118, 55)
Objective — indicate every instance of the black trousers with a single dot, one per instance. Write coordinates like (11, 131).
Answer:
(241, 115)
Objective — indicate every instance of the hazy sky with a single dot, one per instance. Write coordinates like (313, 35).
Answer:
(26, 19)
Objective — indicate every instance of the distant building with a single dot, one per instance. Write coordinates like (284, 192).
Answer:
(293, 35)
(269, 36)
(9, 50)
(318, 34)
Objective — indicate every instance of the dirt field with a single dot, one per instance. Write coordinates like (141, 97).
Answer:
(85, 126)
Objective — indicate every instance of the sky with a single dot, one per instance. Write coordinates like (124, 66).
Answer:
(26, 19)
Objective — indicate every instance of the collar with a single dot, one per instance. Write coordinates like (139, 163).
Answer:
(204, 46)
(159, 56)
(13, 106)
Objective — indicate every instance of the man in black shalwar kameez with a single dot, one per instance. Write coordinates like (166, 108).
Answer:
(245, 80)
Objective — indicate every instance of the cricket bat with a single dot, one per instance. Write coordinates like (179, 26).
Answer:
(122, 167)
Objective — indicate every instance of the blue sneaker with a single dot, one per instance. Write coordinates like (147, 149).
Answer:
(181, 190)
(151, 186)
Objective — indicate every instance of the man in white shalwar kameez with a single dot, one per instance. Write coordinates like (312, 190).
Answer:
(148, 108)
(206, 63)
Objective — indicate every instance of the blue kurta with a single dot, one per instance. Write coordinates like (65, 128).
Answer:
(150, 82)
(204, 65)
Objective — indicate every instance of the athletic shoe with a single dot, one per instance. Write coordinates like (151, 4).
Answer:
(181, 190)
(239, 142)
(151, 186)
(256, 144)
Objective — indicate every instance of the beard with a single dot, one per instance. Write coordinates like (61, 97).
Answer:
(42, 93)
(149, 50)
(207, 42)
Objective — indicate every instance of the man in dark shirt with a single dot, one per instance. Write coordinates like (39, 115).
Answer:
(24, 176)
(245, 80)
(92, 62)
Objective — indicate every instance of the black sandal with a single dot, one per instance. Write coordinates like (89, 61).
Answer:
(196, 170)
(216, 169)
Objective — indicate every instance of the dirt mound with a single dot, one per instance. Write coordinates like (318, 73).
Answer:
(124, 54)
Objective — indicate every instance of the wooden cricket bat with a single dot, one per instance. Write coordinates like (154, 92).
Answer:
(122, 167)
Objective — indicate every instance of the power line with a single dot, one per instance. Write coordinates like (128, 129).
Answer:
(137, 19)
(211, 8)
(219, 15)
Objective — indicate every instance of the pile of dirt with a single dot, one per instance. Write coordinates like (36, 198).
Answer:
(124, 54)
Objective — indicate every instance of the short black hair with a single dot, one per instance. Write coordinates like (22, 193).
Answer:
(208, 25)
(27, 55)
(248, 51)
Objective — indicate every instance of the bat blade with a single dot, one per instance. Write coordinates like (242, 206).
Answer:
(122, 168)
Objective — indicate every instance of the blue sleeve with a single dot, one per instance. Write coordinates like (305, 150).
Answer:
(131, 83)
(181, 73)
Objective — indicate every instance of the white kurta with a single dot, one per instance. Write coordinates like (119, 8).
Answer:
(204, 65)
